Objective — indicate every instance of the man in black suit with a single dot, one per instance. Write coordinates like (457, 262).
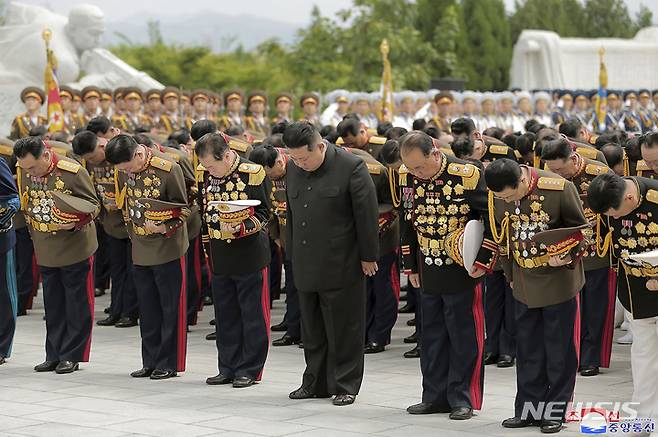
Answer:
(332, 242)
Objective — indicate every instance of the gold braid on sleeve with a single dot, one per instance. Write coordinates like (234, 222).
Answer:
(504, 223)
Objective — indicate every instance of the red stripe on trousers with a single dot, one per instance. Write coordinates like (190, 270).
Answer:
(182, 320)
(608, 326)
(576, 340)
(35, 282)
(478, 318)
(265, 305)
(90, 302)
(395, 277)
(196, 260)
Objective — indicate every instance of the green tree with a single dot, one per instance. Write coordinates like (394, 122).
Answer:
(607, 19)
(448, 62)
(644, 17)
(564, 17)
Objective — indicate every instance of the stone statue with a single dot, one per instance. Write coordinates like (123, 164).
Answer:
(76, 45)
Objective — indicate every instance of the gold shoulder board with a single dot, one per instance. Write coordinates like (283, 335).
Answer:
(377, 140)
(339, 141)
(6, 150)
(517, 154)
(642, 166)
(403, 171)
(240, 146)
(592, 139)
(498, 150)
(256, 172)
(160, 163)
(596, 170)
(469, 173)
(71, 167)
(556, 184)
(587, 152)
(652, 196)
(374, 168)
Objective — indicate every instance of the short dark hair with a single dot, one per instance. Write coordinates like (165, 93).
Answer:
(608, 137)
(614, 154)
(417, 140)
(33, 145)
(173, 144)
(328, 130)
(632, 147)
(84, 142)
(395, 133)
(212, 144)
(606, 192)
(181, 136)
(38, 131)
(390, 152)
(556, 149)
(383, 128)
(264, 155)
(234, 131)
(301, 134)
(502, 173)
(348, 127)
(120, 149)
(99, 125)
(432, 131)
(280, 127)
(495, 132)
(462, 146)
(202, 127)
(462, 126)
(144, 139)
(570, 127)
(510, 140)
(649, 140)
(525, 143)
(60, 136)
(419, 124)
(532, 125)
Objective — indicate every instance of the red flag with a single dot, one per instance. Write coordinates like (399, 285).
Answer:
(55, 111)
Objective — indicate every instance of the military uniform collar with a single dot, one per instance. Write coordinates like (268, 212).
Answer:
(329, 156)
(642, 189)
(581, 163)
(147, 161)
(534, 178)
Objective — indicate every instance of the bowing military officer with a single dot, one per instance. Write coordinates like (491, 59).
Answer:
(234, 195)
(33, 98)
(132, 118)
(171, 120)
(354, 134)
(202, 127)
(123, 305)
(309, 103)
(64, 243)
(332, 239)
(631, 205)
(597, 298)
(257, 122)
(440, 194)
(524, 202)
(9, 205)
(275, 161)
(150, 191)
(233, 104)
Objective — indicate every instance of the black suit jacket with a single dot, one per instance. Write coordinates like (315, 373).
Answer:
(331, 221)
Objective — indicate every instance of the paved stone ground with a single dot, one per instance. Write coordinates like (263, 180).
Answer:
(102, 400)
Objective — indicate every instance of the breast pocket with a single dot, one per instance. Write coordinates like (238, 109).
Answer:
(333, 191)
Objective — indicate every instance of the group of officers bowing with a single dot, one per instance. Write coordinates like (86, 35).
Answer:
(344, 214)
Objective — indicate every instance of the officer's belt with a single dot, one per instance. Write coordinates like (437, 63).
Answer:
(531, 263)
(430, 243)
(640, 272)
(41, 226)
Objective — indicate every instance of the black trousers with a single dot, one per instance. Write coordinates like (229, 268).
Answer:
(381, 301)
(162, 313)
(453, 347)
(27, 271)
(8, 302)
(124, 293)
(417, 294)
(194, 262)
(333, 329)
(68, 297)
(242, 311)
(546, 357)
(597, 317)
(293, 315)
(275, 269)
(499, 312)
(102, 267)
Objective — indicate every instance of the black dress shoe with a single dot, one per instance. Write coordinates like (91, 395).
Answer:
(108, 321)
(413, 338)
(144, 372)
(46, 366)
(406, 309)
(461, 413)
(207, 300)
(107, 310)
(505, 361)
(517, 422)
(550, 426)
(211, 336)
(589, 371)
(286, 340)
(66, 367)
(373, 348)
(163, 374)
(219, 380)
(342, 400)
(212, 322)
(411, 322)
(413, 353)
(490, 358)
(243, 382)
(303, 393)
(21, 313)
(300, 344)
(2, 360)
(428, 408)
(126, 322)
(281, 327)
(98, 292)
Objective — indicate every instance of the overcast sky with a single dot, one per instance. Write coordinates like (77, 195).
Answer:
(296, 11)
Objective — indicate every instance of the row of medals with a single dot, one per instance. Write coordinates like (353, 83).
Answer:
(212, 193)
(150, 191)
(643, 241)
(526, 227)
(41, 203)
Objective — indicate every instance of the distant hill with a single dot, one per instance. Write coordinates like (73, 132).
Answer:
(221, 32)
